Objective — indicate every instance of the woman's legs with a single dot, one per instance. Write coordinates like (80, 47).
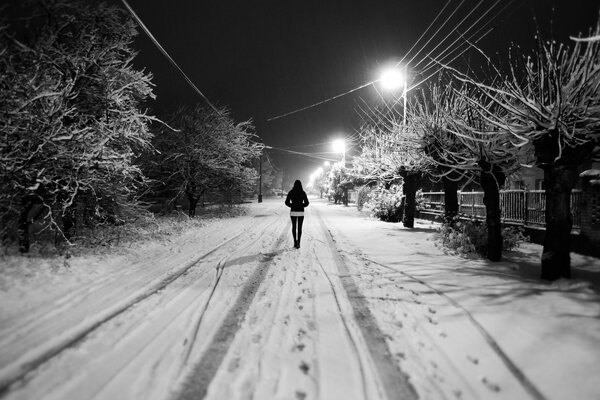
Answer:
(300, 221)
(294, 220)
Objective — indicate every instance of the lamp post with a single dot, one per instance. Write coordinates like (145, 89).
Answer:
(260, 179)
(392, 79)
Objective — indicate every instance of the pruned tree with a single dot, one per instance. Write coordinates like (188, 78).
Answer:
(204, 151)
(391, 153)
(429, 119)
(70, 116)
(550, 101)
(460, 142)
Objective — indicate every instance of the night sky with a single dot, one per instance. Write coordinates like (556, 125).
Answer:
(266, 58)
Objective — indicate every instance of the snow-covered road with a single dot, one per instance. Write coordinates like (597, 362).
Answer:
(363, 310)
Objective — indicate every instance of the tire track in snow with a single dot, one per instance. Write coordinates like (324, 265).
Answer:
(19, 372)
(395, 382)
(510, 365)
(196, 384)
(221, 265)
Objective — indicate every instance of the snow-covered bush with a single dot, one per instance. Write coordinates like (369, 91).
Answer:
(386, 204)
(470, 237)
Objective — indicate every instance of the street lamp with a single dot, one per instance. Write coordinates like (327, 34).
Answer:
(339, 146)
(391, 79)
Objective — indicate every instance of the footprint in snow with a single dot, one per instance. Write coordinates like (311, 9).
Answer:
(233, 365)
(304, 367)
(490, 385)
(300, 395)
(474, 360)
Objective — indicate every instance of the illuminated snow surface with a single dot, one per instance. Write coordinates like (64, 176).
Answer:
(363, 310)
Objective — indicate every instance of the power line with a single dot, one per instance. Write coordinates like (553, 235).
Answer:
(351, 90)
(310, 155)
(436, 33)
(158, 45)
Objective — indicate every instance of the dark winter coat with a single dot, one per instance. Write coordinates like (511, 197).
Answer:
(296, 200)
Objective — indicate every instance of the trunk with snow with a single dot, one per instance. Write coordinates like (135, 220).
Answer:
(492, 178)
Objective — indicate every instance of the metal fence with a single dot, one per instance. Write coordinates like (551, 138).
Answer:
(525, 207)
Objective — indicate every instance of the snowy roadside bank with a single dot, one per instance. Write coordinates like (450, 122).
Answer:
(550, 332)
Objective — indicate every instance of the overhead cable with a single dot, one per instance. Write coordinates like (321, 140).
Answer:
(361, 86)
(158, 45)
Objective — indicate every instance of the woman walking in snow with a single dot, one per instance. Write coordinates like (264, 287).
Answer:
(296, 199)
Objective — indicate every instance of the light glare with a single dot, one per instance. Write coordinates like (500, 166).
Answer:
(392, 79)
(339, 146)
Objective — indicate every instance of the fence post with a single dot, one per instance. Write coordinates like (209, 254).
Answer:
(472, 203)
(525, 207)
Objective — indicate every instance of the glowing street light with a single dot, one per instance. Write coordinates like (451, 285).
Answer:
(392, 79)
(339, 146)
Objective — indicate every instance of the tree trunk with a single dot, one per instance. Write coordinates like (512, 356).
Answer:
(23, 226)
(193, 200)
(556, 260)
(492, 178)
(69, 219)
(409, 189)
(450, 200)
(560, 177)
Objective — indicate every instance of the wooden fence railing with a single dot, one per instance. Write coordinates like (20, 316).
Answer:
(525, 207)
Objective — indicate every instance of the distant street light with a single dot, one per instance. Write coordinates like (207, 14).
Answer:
(339, 146)
(392, 79)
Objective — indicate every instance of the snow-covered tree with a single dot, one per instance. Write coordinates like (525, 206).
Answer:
(391, 154)
(460, 142)
(204, 151)
(551, 101)
(70, 116)
(430, 122)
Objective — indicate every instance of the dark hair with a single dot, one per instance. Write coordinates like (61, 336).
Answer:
(297, 186)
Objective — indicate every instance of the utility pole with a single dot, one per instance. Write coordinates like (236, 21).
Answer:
(281, 194)
(260, 179)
